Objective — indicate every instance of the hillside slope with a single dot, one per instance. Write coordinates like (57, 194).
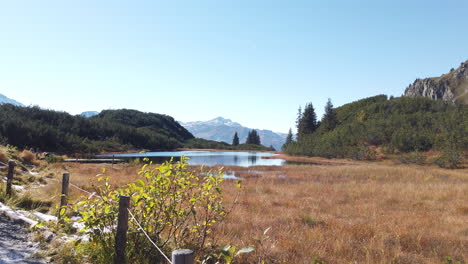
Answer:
(221, 129)
(398, 125)
(111, 130)
(452, 87)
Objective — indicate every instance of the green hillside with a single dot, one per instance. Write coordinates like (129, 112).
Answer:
(112, 130)
(398, 125)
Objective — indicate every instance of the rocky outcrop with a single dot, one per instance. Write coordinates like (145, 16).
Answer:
(452, 86)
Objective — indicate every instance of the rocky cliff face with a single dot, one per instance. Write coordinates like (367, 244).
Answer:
(452, 86)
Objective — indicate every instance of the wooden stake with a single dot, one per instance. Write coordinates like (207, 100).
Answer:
(182, 256)
(122, 227)
(11, 171)
(64, 197)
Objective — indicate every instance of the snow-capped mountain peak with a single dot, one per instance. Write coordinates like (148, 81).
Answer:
(222, 129)
(220, 121)
(6, 100)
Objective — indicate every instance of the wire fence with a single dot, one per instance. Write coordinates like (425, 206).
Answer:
(147, 236)
(91, 194)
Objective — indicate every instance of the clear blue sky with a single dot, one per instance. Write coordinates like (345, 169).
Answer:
(252, 61)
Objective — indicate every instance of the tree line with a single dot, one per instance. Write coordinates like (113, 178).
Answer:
(253, 138)
(111, 130)
(396, 125)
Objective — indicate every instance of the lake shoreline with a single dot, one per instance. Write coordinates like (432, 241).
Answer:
(183, 149)
(206, 157)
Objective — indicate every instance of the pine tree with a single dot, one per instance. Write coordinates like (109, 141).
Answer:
(329, 120)
(235, 140)
(298, 121)
(253, 138)
(249, 139)
(289, 139)
(257, 138)
(307, 122)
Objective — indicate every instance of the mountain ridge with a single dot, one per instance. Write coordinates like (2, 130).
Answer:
(88, 114)
(223, 129)
(452, 86)
(6, 100)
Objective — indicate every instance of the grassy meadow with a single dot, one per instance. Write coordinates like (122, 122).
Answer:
(334, 211)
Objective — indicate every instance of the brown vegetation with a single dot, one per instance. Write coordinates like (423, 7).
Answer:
(28, 157)
(353, 212)
(368, 213)
(3, 157)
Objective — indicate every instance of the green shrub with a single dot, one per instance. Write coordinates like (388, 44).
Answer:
(53, 158)
(413, 158)
(450, 159)
(450, 260)
(176, 207)
(310, 221)
(401, 125)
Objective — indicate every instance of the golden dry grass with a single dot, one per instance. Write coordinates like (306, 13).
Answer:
(28, 157)
(347, 212)
(3, 157)
(365, 213)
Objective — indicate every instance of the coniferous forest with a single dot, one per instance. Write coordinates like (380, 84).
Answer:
(396, 125)
(111, 130)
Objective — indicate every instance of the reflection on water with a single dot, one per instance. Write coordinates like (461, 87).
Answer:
(209, 158)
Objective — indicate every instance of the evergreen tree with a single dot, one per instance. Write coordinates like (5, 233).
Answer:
(289, 139)
(253, 138)
(298, 121)
(307, 122)
(329, 120)
(235, 140)
(249, 139)
(257, 138)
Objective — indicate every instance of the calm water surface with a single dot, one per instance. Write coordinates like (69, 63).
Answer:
(209, 158)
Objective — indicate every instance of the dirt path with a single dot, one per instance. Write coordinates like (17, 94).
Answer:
(14, 245)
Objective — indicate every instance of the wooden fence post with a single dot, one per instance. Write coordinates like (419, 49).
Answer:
(122, 227)
(182, 256)
(11, 171)
(64, 197)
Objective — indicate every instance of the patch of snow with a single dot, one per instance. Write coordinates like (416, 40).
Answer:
(16, 216)
(44, 217)
(18, 187)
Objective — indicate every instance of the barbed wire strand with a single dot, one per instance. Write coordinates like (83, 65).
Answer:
(147, 236)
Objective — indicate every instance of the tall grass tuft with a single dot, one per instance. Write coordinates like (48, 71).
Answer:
(28, 157)
(3, 157)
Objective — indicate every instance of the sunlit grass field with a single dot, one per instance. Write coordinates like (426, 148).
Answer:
(337, 211)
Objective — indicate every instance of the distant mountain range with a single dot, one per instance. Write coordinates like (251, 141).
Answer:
(6, 100)
(89, 114)
(452, 86)
(221, 129)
